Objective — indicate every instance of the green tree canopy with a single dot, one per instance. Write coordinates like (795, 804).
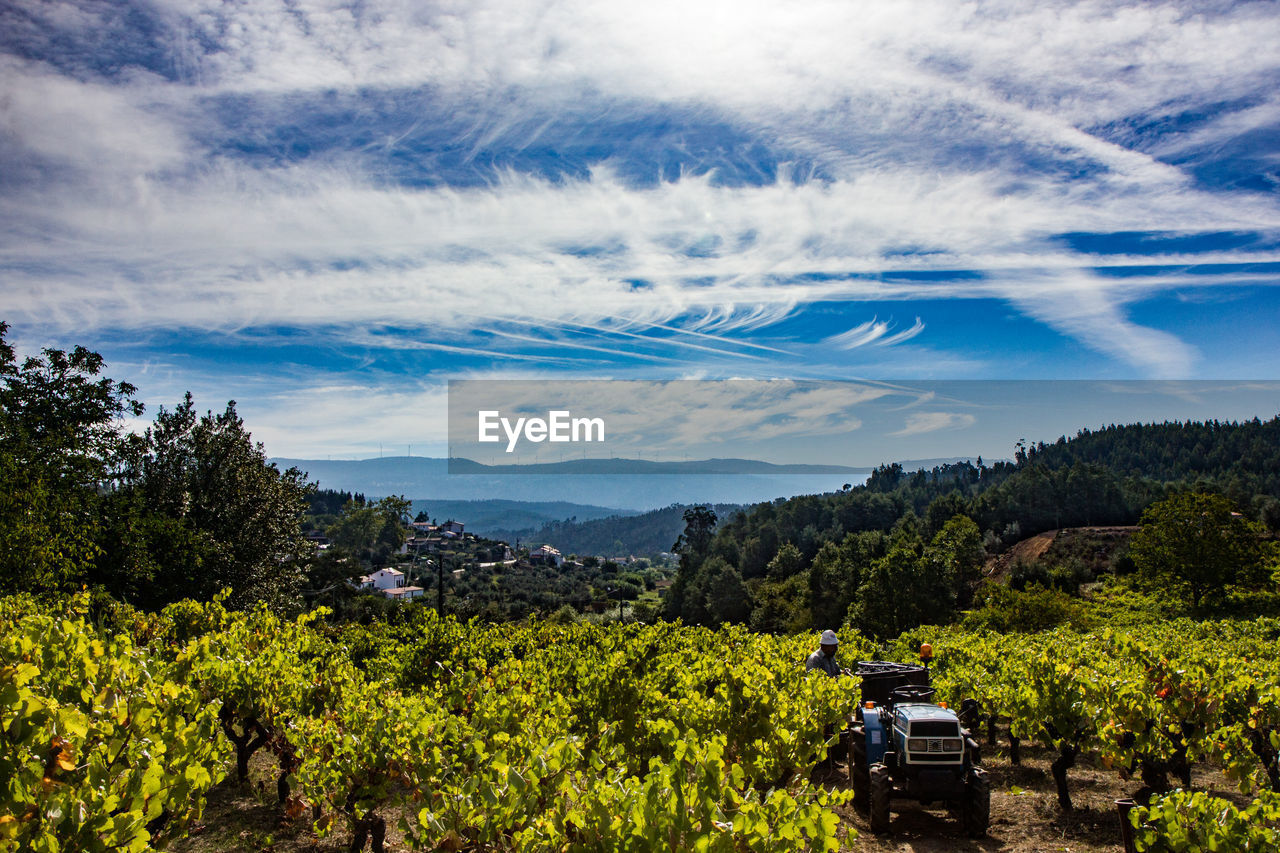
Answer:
(692, 545)
(206, 511)
(1196, 544)
(688, 593)
(787, 562)
(912, 584)
(371, 531)
(956, 552)
(61, 446)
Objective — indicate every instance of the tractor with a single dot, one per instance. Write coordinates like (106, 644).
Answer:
(903, 746)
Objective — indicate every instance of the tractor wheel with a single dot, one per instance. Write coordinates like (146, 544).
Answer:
(881, 785)
(861, 785)
(858, 775)
(977, 803)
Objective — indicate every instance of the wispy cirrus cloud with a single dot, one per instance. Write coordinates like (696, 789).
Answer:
(579, 185)
(919, 423)
(873, 332)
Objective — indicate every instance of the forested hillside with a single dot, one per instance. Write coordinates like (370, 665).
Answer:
(644, 535)
(812, 560)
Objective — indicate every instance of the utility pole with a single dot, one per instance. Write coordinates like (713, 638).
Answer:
(440, 585)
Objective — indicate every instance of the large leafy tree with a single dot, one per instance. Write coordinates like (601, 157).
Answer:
(956, 552)
(205, 510)
(62, 447)
(1196, 544)
(913, 583)
(180, 512)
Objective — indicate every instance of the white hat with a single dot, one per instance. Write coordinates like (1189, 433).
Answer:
(829, 638)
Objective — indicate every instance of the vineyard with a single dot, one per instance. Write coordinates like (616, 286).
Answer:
(535, 736)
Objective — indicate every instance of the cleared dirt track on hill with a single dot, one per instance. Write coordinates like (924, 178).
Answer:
(1025, 551)
(1051, 543)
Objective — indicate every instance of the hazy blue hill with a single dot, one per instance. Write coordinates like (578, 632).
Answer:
(644, 534)
(621, 484)
(619, 465)
(494, 517)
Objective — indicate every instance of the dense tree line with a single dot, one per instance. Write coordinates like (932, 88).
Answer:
(1240, 459)
(187, 508)
(329, 502)
(904, 546)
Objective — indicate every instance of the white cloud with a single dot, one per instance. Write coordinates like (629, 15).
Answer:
(873, 332)
(1080, 305)
(919, 423)
(349, 420)
(241, 248)
(148, 229)
(91, 135)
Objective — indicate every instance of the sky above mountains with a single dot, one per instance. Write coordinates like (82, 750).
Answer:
(327, 210)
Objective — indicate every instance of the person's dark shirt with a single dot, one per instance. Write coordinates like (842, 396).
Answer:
(820, 660)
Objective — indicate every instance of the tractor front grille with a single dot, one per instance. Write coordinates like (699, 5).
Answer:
(935, 749)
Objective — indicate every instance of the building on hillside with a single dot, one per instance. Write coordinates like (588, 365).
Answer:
(451, 526)
(546, 555)
(389, 582)
(417, 545)
(404, 592)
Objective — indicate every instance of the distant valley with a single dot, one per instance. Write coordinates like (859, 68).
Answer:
(619, 485)
(594, 506)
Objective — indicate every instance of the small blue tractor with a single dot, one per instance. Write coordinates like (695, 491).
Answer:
(903, 746)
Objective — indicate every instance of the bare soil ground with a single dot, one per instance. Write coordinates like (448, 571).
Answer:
(1093, 544)
(1026, 551)
(1025, 816)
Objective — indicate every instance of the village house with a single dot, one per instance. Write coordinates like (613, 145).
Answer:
(389, 582)
(546, 555)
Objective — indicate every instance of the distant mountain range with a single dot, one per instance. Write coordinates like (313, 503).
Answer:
(617, 484)
(623, 465)
(494, 517)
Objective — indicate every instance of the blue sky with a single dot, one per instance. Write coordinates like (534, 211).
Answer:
(326, 211)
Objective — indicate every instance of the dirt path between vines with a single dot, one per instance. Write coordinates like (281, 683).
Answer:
(1025, 817)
